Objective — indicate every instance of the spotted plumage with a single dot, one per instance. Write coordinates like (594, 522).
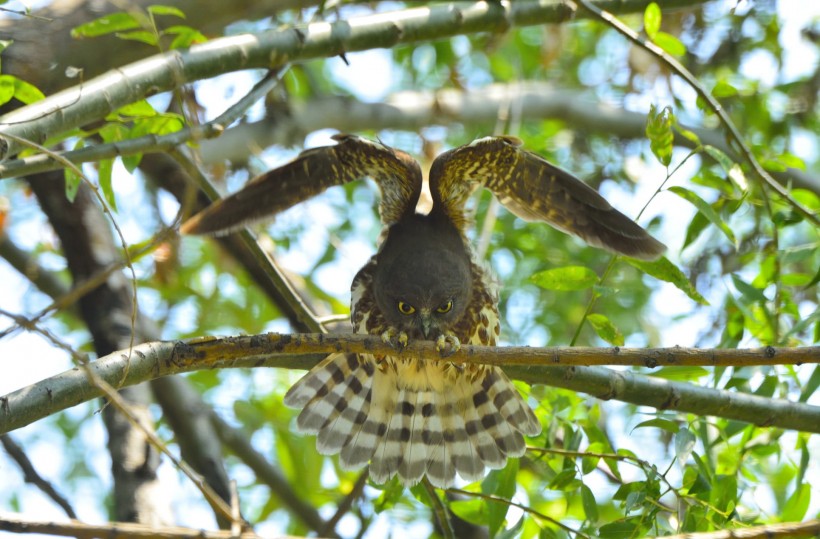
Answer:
(413, 417)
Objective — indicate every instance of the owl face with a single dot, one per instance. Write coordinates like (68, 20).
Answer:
(422, 312)
(423, 290)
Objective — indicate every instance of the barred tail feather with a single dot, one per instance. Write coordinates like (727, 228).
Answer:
(410, 419)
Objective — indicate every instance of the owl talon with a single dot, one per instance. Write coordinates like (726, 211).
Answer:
(396, 339)
(447, 345)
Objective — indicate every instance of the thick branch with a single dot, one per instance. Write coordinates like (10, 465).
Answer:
(559, 367)
(102, 95)
(410, 110)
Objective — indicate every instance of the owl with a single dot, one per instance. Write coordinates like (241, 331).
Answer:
(413, 417)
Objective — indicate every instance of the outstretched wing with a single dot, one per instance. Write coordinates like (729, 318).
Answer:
(533, 189)
(353, 158)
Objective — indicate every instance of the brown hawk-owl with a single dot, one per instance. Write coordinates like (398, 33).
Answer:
(416, 417)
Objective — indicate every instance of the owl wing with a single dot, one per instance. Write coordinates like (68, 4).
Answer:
(534, 189)
(311, 172)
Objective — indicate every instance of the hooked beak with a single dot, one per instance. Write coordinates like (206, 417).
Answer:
(426, 321)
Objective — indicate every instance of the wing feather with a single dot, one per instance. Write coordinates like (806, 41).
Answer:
(353, 158)
(534, 189)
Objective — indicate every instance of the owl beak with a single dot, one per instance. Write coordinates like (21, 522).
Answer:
(426, 321)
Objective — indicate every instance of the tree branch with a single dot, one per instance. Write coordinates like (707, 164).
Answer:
(787, 530)
(115, 530)
(102, 95)
(559, 367)
(410, 110)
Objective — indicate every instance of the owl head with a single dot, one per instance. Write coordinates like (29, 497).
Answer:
(422, 283)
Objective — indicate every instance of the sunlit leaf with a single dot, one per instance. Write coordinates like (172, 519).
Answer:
(26, 93)
(705, 209)
(606, 329)
(660, 134)
(798, 503)
(566, 278)
(141, 108)
(6, 88)
(723, 89)
(665, 270)
(108, 24)
(143, 36)
(104, 177)
(473, 510)
(652, 19)
(684, 444)
(670, 44)
(159, 9)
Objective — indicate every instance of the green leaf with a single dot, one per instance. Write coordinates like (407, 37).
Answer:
(748, 291)
(660, 135)
(652, 20)
(606, 329)
(798, 503)
(665, 270)
(732, 169)
(159, 9)
(5, 43)
(670, 44)
(141, 108)
(500, 483)
(665, 424)
(474, 511)
(684, 444)
(72, 179)
(589, 503)
(682, 374)
(143, 36)
(707, 211)
(618, 530)
(6, 88)
(104, 177)
(26, 93)
(185, 36)
(566, 278)
(723, 89)
(108, 24)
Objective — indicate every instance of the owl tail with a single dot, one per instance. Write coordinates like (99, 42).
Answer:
(412, 417)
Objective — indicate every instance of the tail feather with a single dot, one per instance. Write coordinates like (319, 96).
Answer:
(390, 449)
(414, 463)
(396, 416)
(485, 446)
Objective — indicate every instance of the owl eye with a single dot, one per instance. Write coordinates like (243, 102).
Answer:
(406, 308)
(445, 307)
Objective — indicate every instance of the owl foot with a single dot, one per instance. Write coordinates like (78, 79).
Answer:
(447, 344)
(395, 338)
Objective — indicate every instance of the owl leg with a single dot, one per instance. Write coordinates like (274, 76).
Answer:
(447, 344)
(395, 338)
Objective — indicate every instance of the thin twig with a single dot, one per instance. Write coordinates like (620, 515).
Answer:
(30, 474)
(439, 510)
(526, 509)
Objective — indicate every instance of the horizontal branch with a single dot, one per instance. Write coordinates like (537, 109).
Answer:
(559, 367)
(114, 530)
(787, 530)
(94, 99)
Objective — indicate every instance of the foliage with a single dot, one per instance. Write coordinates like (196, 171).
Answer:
(741, 270)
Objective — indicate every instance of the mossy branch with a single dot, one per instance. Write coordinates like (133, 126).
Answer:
(569, 368)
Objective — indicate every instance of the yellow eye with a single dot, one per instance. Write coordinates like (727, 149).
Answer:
(406, 308)
(445, 308)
